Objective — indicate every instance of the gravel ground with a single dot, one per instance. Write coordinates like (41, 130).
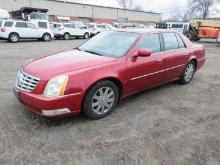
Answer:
(168, 125)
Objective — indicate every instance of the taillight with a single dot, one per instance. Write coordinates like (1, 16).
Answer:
(2, 29)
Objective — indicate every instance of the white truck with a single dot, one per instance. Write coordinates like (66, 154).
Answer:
(37, 16)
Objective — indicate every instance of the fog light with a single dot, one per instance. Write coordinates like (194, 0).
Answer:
(55, 112)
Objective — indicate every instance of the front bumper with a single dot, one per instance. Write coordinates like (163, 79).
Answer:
(43, 106)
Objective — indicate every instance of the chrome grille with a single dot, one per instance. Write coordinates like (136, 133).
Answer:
(26, 82)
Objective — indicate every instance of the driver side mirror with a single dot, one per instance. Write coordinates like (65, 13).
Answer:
(142, 53)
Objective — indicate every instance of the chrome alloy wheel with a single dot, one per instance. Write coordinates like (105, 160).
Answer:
(14, 37)
(46, 37)
(103, 100)
(189, 72)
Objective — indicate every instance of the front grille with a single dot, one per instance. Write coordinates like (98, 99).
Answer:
(26, 82)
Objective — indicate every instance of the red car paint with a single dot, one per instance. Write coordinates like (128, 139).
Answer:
(85, 69)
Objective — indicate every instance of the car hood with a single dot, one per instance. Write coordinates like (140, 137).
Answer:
(50, 66)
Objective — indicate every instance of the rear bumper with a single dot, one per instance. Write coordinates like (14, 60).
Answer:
(40, 104)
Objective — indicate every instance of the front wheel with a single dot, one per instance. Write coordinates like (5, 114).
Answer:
(66, 36)
(86, 35)
(100, 100)
(188, 73)
(46, 37)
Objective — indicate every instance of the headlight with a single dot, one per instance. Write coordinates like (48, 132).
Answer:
(56, 86)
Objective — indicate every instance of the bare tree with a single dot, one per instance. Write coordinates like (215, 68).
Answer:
(201, 8)
(127, 4)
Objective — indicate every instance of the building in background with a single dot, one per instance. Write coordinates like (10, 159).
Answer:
(62, 11)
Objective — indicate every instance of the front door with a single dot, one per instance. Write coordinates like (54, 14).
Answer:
(146, 72)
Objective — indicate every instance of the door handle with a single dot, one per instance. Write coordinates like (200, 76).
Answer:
(159, 60)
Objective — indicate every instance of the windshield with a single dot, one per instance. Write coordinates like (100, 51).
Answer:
(38, 16)
(110, 43)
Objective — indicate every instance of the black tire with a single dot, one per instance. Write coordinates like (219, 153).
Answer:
(89, 110)
(183, 78)
(46, 37)
(189, 35)
(86, 35)
(66, 36)
(13, 37)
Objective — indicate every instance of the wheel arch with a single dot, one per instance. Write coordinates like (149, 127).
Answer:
(194, 59)
(13, 32)
(115, 80)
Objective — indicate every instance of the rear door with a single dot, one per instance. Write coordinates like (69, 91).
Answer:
(33, 31)
(175, 55)
(21, 28)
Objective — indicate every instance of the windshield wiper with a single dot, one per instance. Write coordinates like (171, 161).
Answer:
(93, 52)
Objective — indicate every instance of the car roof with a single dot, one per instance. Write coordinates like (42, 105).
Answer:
(145, 30)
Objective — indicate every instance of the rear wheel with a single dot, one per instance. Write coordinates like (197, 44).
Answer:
(46, 37)
(66, 36)
(100, 100)
(13, 37)
(188, 73)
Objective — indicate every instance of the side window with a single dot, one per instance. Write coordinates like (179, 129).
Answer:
(8, 24)
(20, 25)
(32, 26)
(151, 42)
(180, 41)
(42, 25)
(170, 41)
(72, 26)
(66, 25)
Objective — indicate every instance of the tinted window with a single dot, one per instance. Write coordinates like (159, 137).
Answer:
(72, 26)
(66, 25)
(177, 25)
(151, 42)
(57, 25)
(170, 41)
(42, 25)
(32, 26)
(91, 26)
(180, 41)
(20, 25)
(0, 23)
(101, 26)
(161, 26)
(8, 24)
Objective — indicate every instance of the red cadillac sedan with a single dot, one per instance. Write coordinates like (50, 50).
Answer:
(111, 66)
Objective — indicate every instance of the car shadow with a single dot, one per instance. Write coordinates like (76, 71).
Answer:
(81, 118)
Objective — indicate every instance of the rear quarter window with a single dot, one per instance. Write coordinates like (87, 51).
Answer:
(8, 24)
(180, 41)
(0, 23)
(170, 41)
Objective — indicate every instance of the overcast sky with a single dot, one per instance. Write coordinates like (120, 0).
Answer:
(164, 6)
(148, 5)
